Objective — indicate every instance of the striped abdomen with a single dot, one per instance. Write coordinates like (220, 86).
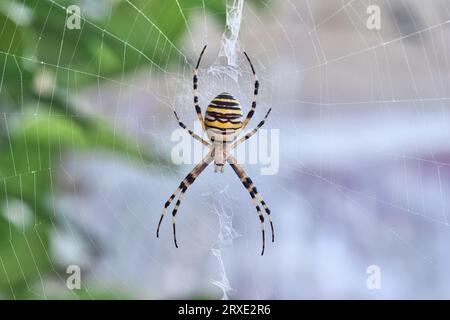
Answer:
(223, 118)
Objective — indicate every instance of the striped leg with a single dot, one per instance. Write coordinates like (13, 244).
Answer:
(251, 133)
(166, 205)
(196, 137)
(255, 93)
(195, 83)
(261, 218)
(248, 184)
(187, 181)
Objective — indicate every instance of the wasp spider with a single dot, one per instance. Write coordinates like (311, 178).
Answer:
(223, 125)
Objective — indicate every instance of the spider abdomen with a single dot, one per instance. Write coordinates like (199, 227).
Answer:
(223, 118)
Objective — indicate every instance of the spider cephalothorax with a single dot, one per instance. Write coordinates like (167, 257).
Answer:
(223, 124)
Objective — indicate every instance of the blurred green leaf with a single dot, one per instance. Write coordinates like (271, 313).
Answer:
(23, 254)
(11, 48)
(39, 141)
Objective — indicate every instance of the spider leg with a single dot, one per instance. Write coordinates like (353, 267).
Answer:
(248, 184)
(167, 204)
(195, 83)
(255, 93)
(190, 178)
(251, 133)
(187, 181)
(261, 219)
(193, 135)
(251, 187)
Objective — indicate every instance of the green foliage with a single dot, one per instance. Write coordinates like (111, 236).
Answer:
(37, 126)
(23, 255)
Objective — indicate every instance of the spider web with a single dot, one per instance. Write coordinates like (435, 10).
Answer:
(364, 160)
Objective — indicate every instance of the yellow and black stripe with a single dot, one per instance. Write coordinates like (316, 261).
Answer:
(224, 113)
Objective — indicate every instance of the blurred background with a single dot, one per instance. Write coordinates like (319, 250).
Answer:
(85, 143)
